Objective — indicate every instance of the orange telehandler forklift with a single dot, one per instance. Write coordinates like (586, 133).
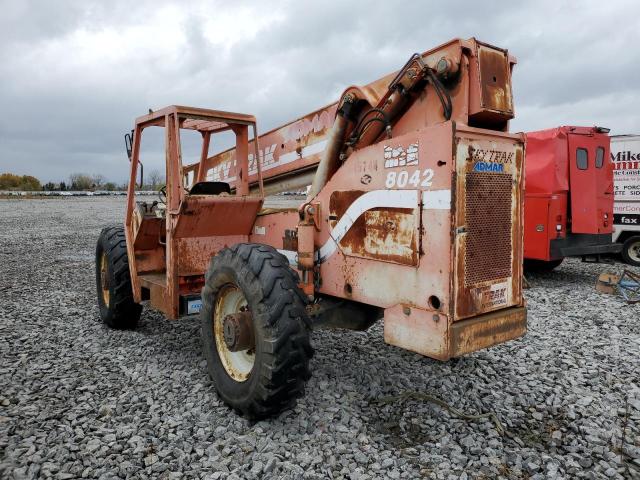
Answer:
(414, 214)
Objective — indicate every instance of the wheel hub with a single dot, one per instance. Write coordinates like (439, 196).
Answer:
(634, 251)
(237, 330)
(233, 332)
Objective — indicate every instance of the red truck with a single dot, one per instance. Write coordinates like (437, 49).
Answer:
(568, 196)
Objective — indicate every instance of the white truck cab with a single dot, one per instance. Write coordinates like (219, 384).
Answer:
(625, 155)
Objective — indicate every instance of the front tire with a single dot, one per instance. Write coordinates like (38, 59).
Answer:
(631, 251)
(113, 281)
(270, 374)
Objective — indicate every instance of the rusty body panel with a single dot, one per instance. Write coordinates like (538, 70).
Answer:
(415, 208)
(195, 253)
(386, 234)
(429, 334)
(234, 216)
(489, 222)
(487, 330)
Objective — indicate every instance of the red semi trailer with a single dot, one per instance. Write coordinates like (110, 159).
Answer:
(568, 196)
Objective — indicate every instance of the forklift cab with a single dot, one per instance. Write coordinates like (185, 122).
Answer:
(171, 239)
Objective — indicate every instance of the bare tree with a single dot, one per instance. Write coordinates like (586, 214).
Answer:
(156, 178)
(98, 180)
(80, 181)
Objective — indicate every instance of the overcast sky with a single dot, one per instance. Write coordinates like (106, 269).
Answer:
(74, 74)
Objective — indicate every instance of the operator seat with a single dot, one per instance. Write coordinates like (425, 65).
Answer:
(210, 188)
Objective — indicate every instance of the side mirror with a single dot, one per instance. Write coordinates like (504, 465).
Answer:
(128, 143)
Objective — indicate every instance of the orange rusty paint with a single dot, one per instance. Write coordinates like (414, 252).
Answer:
(170, 247)
(295, 143)
(190, 283)
(495, 82)
(151, 260)
(385, 234)
(391, 235)
(210, 215)
(383, 283)
(432, 334)
(147, 230)
(420, 331)
(195, 253)
(296, 146)
(488, 224)
(490, 95)
(486, 330)
(417, 256)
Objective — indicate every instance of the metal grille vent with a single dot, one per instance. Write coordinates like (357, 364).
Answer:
(488, 251)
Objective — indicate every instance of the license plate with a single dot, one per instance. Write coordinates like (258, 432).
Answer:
(194, 306)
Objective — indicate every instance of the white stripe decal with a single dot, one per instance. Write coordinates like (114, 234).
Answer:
(292, 256)
(368, 201)
(373, 199)
(436, 200)
(314, 148)
(306, 151)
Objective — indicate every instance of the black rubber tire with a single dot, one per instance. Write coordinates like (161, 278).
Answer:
(541, 265)
(627, 246)
(121, 312)
(281, 330)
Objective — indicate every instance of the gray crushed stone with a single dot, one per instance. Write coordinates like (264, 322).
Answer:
(80, 401)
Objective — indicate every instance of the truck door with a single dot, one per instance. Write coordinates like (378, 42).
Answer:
(591, 184)
(604, 182)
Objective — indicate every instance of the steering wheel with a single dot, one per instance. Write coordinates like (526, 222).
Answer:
(162, 194)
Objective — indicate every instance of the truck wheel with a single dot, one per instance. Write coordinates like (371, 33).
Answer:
(631, 251)
(255, 330)
(113, 281)
(541, 265)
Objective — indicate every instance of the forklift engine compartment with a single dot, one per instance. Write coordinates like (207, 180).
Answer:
(415, 213)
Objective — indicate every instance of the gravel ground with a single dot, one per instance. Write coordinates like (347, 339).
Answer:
(78, 400)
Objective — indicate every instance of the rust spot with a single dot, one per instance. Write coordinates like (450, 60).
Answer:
(494, 80)
(190, 283)
(340, 201)
(486, 330)
(386, 234)
(290, 240)
(470, 153)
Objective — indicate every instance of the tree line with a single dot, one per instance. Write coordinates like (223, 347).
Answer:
(75, 182)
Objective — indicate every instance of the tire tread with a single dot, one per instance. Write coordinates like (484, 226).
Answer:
(123, 312)
(286, 348)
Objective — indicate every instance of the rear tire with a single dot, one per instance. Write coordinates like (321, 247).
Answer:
(269, 376)
(541, 265)
(113, 281)
(631, 251)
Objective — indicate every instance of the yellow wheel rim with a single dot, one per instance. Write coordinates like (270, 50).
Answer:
(104, 284)
(238, 365)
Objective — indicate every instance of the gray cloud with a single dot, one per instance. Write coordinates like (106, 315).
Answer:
(75, 74)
